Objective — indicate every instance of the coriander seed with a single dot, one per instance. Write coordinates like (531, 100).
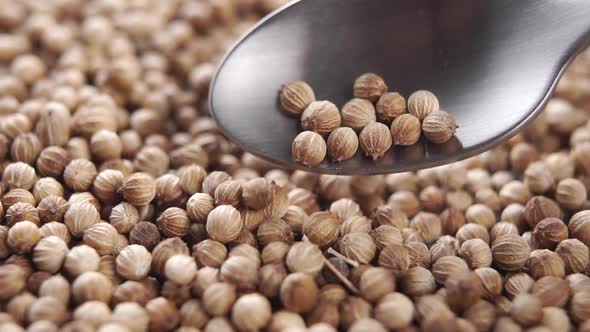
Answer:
(358, 246)
(256, 193)
(102, 237)
(570, 193)
(321, 117)
(447, 266)
(510, 252)
(369, 86)
(180, 269)
(251, 312)
(309, 148)
(549, 232)
(21, 212)
(304, 257)
(210, 253)
(79, 217)
(224, 223)
(55, 228)
(539, 208)
(240, 271)
(229, 193)
(49, 254)
(133, 262)
(138, 188)
(395, 311)
(375, 283)
(25, 148)
(274, 230)
(19, 175)
(375, 140)
(406, 129)
(396, 258)
(575, 255)
(92, 286)
(476, 253)
(552, 291)
(173, 222)
(439, 127)
(22, 237)
(296, 96)
(543, 262)
(357, 113)
(390, 106)
(145, 233)
(526, 309)
(106, 145)
(321, 228)
(422, 103)
(298, 292)
(342, 144)
(199, 206)
(491, 282)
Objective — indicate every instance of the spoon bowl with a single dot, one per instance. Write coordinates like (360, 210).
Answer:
(492, 64)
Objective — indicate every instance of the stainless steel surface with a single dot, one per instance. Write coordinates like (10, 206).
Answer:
(492, 64)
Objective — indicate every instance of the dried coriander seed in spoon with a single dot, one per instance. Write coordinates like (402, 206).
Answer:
(309, 148)
(375, 139)
(296, 97)
(342, 144)
(322, 117)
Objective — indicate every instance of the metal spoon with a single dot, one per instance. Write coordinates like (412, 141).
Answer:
(493, 65)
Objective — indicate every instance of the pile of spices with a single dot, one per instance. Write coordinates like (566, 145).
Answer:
(375, 120)
(124, 209)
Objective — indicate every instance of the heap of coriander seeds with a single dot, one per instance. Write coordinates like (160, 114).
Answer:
(124, 209)
(375, 120)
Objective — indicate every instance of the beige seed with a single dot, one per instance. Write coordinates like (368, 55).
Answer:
(342, 144)
(422, 103)
(139, 188)
(375, 140)
(305, 257)
(224, 223)
(251, 312)
(406, 129)
(510, 252)
(299, 292)
(321, 117)
(439, 127)
(102, 237)
(296, 96)
(390, 106)
(321, 228)
(309, 148)
(22, 237)
(369, 86)
(357, 113)
(133, 262)
(180, 269)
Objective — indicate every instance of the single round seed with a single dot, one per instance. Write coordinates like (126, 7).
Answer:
(390, 106)
(321, 117)
(357, 113)
(296, 96)
(342, 144)
(406, 129)
(421, 103)
(375, 140)
(309, 148)
(369, 86)
(224, 223)
(439, 127)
